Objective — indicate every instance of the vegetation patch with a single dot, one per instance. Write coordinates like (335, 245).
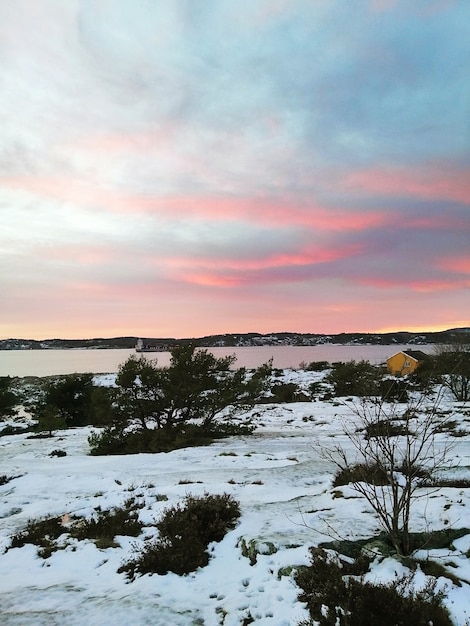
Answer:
(434, 540)
(42, 533)
(107, 524)
(362, 472)
(185, 530)
(102, 529)
(4, 479)
(385, 428)
(336, 597)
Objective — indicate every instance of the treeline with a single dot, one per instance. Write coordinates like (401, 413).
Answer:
(456, 335)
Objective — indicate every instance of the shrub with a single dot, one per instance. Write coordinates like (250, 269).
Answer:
(394, 390)
(384, 428)
(373, 474)
(112, 441)
(334, 598)
(317, 366)
(185, 533)
(58, 453)
(102, 528)
(42, 533)
(284, 392)
(4, 479)
(107, 524)
(355, 379)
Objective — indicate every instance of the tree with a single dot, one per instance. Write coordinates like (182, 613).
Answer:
(197, 390)
(395, 455)
(453, 363)
(72, 397)
(49, 420)
(8, 398)
(355, 379)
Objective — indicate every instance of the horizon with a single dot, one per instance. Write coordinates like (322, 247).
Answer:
(289, 332)
(183, 168)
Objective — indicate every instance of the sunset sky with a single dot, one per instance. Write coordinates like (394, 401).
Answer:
(178, 168)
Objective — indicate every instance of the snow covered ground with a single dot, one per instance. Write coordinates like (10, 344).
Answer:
(287, 502)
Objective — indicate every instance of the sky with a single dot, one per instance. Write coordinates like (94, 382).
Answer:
(179, 168)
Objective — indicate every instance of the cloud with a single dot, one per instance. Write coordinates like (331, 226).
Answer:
(233, 157)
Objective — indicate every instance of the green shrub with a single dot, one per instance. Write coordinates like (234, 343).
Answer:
(355, 379)
(42, 533)
(112, 441)
(107, 524)
(334, 598)
(186, 530)
(284, 392)
(102, 528)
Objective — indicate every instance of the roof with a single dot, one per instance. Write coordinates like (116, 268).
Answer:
(418, 355)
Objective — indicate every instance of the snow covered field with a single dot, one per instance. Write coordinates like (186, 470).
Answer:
(287, 503)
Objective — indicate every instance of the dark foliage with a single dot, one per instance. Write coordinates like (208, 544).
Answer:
(104, 527)
(111, 441)
(186, 530)
(4, 479)
(58, 453)
(8, 398)
(453, 363)
(191, 402)
(355, 379)
(42, 533)
(285, 392)
(394, 389)
(66, 401)
(352, 602)
(317, 366)
(373, 474)
(384, 428)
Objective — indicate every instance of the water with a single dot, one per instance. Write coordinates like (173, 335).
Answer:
(52, 362)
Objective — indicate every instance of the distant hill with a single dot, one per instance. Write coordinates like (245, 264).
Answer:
(452, 335)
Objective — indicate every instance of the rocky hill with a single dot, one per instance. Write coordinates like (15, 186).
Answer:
(460, 335)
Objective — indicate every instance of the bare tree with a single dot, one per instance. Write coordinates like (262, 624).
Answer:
(395, 456)
(453, 363)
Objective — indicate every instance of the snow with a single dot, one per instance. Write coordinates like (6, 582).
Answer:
(284, 487)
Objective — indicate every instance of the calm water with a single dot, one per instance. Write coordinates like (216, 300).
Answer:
(51, 362)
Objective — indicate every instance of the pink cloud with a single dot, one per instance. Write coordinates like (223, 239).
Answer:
(434, 182)
(266, 211)
(419, 286)
(233, 272)
(459, 264)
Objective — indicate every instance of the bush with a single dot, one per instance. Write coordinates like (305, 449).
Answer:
(384, 428)
(284, 392)
(107, 524)
(317, 366)
(373, 474)
(102, 529)
(394, 390)
(334, 598)
(186, 530)
(355, 379)
(112, 441)
(42, 533)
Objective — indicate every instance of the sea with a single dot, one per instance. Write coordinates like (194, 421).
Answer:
(22, 363)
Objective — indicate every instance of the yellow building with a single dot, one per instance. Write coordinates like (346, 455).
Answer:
(403, 363)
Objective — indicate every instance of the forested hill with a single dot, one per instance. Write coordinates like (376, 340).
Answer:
(461, 335)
